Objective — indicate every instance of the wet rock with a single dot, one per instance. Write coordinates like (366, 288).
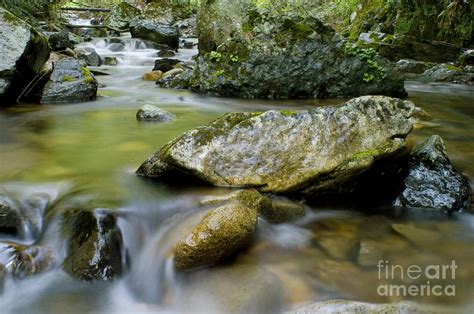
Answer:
(153, 113)
(188, 44)
(110, 61)
(345, 306)
(156, 32)
(432, 182)
(116, 47)
(24, 52)
(252, 52)
(121, 15)
(69, 82)
(10, 217)
(447, 73)
(172, 73)
(372, 251)
(94, 245)
(165, 54)
(152, 76)
(311, 152)
(250, 198)
(281, 210)
(63, 40)
(115, 40)
(187, 27)
(467, 58)
(176, 78)
(412, 66)
(220, 234)
(24, 261)
(89, 55)
(165, 64)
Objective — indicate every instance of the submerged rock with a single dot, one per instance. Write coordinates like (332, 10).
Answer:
(282, 209)
(22, 261)
(165, 54)
(152, 76)
(432, 182)
(220, 234)
(252, 52)
(156, 32)
(24, 51)
(69, 82)
(110, 61)
(310, 152)
(153, 113)
(116, 47)
(94, 245)
(121, 15)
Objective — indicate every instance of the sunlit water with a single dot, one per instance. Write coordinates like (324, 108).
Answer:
(88, 152)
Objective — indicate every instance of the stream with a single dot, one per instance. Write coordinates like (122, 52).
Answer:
(88, 152)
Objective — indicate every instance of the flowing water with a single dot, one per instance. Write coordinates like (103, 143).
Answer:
(58, 154)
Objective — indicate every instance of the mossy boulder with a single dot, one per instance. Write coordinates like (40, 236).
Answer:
(121, 15)
(24, 52)
(307, 152)
(158, 33)
(69, 82)
(432, 182)
(253, 52)
(94, 245)
(221, 233)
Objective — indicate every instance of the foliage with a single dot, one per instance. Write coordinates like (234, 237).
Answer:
(32, 10)
(367, 55)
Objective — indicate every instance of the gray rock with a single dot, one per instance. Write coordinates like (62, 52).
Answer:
(310, 152)
(256, 53)
(412, 66)
(23, 51)
(121, 15)
(165, 54)
(179, 80)
(94, 245)
(447, 73)
(153, 113)
(110, 61)
(165, 64)
(69, 82)
(63, 40)
(89, 55)
(220, 234)
(155, 32)
(116, 47)
(432, 182)
(467, 58)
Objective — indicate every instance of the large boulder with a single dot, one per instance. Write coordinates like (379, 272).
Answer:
(24, 52)
(69, 82)
(121, 15)
(253, 52)
(432, 182)
(94, 245)
(220, 234)
(157, 33)
(285, 151)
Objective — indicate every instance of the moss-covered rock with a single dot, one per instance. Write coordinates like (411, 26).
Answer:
(250, 198)
(121, 15)
(69, 82)
(281, 210)
(250, 51)
(220, 234)
(94, 245)
(281, 152)
(24, 52)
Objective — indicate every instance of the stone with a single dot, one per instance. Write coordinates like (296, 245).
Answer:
(446, 73)
(165, 54)
(466, 58)
(156, 32)
(220, 234)
(282, 209)
(69, 82)
(113, 61)
(25, 261)
(94, 245)
(121, 15)
(24, 52)
(63, 40)
(116, 47)
(153, 113)
(432, 181)
(253, 52)
(152, 76)
(311, 152)
(250, 198)
(412, 66)
(89, 55)
(172, 73)
(10, 217)
(165, 64)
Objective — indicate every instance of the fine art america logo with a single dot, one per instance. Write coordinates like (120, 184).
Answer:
(425, 281)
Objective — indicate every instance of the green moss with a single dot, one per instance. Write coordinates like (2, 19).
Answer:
(452, 68)
(68, 78)
(89, 78)
(365, 154)
(288, 113)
